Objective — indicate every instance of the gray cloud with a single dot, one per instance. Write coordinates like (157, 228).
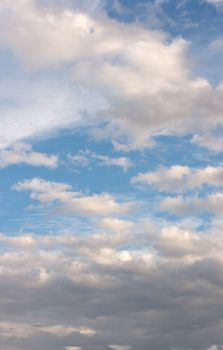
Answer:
(64, 291)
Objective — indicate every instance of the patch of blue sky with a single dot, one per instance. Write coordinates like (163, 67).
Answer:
(181, 150)
(95, 178)
(92, 7)
(45, 223)
(179, 18)
(187, 19)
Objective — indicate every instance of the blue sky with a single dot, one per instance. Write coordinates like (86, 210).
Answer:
(111, 161)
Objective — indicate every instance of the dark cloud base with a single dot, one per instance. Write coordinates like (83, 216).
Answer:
(63, 292)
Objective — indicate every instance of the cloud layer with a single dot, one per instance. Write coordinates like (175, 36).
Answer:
(72, 291)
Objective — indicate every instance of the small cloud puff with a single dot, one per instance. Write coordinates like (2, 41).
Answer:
(87, 158)
(22, 153)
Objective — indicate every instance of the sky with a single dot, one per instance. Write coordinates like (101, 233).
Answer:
(111, 163)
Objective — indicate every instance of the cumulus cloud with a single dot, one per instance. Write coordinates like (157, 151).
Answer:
(22, 153)
(115, 224)
(179, 178)
(145, 299)
(126, 282)
(144, 78)
(193, 205)
(73, 202)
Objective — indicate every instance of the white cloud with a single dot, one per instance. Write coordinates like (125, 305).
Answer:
(115, 224)
(23, 153)
(26, 241)
(18, 330)
(144, 78)
(32, 108)
(180, 205)
(73, 202)
(98, 204)
(82, 158)
(122, 162)
(86, 158)
(211, 141)
(61, 330)
(180, 178)
(46, 191)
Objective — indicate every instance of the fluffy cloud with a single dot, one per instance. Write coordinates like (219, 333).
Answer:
(124, 282)
(144, 78)
(180, 205)
(180, 178)
(22, 153)
(73, 202)
(63, 292)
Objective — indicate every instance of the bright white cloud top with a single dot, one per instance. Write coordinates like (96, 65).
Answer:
(111, 160)
(146, 78)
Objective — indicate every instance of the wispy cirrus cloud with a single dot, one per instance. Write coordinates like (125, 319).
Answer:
(87, 158)
(41, 107)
